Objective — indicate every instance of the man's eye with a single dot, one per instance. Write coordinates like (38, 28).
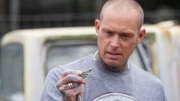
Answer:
(108, 32)
(125, 36)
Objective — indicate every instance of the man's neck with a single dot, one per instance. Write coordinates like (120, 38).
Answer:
(121, 68)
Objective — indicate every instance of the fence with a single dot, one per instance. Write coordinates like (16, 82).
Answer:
(68, 19)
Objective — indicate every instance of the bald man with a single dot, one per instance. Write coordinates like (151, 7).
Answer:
(114, 77)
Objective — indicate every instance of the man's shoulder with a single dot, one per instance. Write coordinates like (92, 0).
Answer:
(145, 76)
(80, 64)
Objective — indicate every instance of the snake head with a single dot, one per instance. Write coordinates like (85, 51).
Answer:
(86, 73)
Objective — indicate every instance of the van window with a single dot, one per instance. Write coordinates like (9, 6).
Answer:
(63, 52)
(136, 59)
(11, 72)
(150, 45)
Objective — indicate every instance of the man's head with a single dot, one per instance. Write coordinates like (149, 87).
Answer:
(119, 31)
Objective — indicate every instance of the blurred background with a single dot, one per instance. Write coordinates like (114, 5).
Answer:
(26, 56)
(23, 14)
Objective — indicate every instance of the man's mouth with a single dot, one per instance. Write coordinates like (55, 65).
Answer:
(113, 55)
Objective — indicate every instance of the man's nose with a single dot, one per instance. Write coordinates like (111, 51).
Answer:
(115, 42)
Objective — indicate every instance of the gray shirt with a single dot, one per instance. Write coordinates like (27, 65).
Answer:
(134, 84)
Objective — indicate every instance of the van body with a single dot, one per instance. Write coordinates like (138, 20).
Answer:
(164, 47)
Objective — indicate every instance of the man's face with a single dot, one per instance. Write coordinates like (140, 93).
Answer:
(118, 36)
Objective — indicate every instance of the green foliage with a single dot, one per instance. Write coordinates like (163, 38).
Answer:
(75, 37)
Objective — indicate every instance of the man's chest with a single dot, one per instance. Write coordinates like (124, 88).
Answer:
(97, 89)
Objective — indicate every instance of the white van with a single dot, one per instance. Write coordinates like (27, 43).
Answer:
(174, 63)
(27, 56)
(164, 47)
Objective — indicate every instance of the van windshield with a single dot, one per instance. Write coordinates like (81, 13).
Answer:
(61, 53)
(11, 72)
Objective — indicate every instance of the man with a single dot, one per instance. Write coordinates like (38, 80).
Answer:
(114, 77)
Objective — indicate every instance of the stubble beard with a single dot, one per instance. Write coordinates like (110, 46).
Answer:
(112, 68)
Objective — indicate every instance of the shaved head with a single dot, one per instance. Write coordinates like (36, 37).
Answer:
(128, 6)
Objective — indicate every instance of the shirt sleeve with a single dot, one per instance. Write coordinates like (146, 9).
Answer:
(50, 91)
(161, 93)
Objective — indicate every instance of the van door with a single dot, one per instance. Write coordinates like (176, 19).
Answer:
(12, 72)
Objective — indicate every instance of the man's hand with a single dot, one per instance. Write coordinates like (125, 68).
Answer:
(70, 91)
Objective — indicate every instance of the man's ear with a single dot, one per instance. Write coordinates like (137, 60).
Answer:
(142, 33)
(97, 26)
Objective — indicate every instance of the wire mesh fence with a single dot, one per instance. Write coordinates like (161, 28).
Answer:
(68, 19)
(47, 21)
